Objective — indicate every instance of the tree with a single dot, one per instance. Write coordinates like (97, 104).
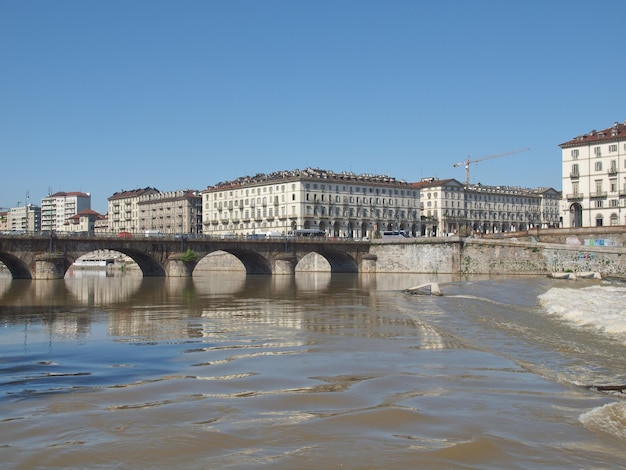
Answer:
(189, 256)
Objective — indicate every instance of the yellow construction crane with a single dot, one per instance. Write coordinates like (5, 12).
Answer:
(467, 162)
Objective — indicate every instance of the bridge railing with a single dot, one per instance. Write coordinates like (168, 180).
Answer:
(178, 236)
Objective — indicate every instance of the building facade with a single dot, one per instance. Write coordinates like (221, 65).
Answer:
(594, 178)
(123, 215)
(57, 208)
(450, 208)
(173, 212)
(83, 223)
(24, 219)
(338, 204)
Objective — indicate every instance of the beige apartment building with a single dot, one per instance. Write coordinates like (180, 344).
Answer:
(25, 219)
(148, 209)
(84, 222)
(449, 208)
(123, 215)
(173, 212)
(57, 208)
(594, 178)
(337, 204)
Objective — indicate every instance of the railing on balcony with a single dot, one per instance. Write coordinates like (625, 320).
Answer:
(575, 196)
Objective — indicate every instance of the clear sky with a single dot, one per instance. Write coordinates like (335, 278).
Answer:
(111, 95)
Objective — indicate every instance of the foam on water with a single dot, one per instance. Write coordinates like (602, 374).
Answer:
(610, 419)
(600, 307)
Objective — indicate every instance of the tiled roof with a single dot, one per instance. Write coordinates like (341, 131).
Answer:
(71, 193)
(616, 132)
(307, 174)
(434, 183)
(86, 213)
(132, 193)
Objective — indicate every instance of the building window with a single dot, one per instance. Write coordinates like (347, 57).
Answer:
(613, 148)
(574, 153)
(598, 166)
(598, 186)
(597, 152)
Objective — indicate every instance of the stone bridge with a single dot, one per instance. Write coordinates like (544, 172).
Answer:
(38, 257)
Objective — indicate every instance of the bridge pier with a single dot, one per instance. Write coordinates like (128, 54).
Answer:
(176, 267)
(50, 266)
(368, 263)
(285, 264)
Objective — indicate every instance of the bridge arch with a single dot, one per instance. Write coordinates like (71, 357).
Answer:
(253, 262)
(340, 262)
(17, 267)
(149, 266)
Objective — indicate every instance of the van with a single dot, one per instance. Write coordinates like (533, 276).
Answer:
(255, 236)
(269, 235)
(154, 233)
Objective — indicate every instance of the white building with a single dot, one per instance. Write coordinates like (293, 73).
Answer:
(448, 207)
(339, 204)
(57, 208)
(594, 178)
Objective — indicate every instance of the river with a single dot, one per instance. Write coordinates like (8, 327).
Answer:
(230, 371)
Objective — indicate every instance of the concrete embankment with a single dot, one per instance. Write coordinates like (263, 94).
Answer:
(481, 256)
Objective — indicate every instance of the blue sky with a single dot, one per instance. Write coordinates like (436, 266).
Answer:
(104, 96)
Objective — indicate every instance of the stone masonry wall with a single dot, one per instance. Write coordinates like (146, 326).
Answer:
(496, 257)
(429, 256)
(478, 256)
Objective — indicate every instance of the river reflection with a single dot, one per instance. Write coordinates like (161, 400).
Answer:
(95, 288)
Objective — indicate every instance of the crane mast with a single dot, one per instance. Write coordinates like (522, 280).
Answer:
(467, 162)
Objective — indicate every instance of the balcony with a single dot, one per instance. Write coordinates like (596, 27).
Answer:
(575, 196)
(598, 194)
(574, 175)
(612, 171)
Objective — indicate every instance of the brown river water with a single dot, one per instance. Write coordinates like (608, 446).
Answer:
(316, 371)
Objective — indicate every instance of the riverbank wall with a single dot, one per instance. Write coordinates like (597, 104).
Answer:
(497, 256)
